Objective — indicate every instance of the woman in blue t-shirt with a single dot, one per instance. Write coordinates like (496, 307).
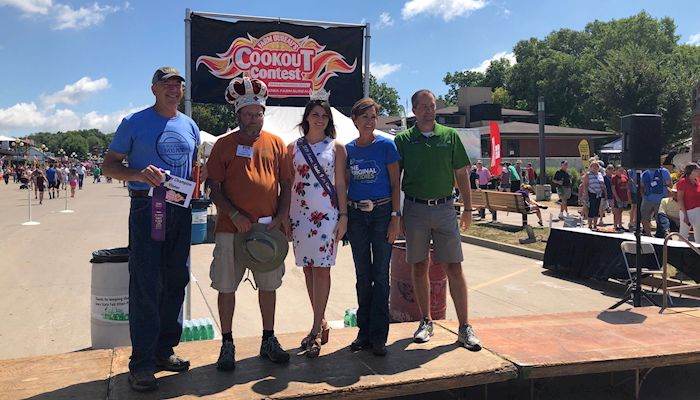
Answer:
(373, 223)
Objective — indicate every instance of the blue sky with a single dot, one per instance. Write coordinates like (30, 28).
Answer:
(72, 64)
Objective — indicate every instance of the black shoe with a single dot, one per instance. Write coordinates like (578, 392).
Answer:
(174, 363)
(359, 344)
(227, 357)
(143, 381)
(271, 349)
(379, 349)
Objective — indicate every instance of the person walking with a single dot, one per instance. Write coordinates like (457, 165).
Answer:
(374, 213)
(81, 175)
(563, 181)
(72, 181)
(156, 139)
(250, 178)
(432, 159)
(318, 210)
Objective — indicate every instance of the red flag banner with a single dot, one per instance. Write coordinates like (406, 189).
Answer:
(495, 149)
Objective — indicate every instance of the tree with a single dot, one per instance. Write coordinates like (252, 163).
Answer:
(216, 119)
(590, 77)
(459, 79)
(501, 96)
(496, 74)
(385, 95)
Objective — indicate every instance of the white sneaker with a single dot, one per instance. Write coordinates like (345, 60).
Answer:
(424, 331)
(561, 216)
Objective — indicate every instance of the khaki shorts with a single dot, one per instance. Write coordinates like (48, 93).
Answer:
(438, 223)
(648, 209)
(226, 276)
(564, 192)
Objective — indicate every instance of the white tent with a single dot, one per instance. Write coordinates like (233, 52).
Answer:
(283, 121)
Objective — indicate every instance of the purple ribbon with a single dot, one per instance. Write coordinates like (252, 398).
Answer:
(158, 214)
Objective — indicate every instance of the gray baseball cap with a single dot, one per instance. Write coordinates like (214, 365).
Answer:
(164, 73)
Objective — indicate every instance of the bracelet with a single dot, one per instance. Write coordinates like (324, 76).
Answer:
(233, 214)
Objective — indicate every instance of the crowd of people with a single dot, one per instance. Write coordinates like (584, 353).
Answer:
(51, 178)
(315, 191)
(609, 189)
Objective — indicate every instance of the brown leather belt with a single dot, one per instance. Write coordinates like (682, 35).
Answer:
(138, 193)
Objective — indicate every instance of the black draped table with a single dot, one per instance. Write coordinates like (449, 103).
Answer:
(582, 253)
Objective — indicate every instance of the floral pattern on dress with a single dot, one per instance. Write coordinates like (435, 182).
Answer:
(313, 215)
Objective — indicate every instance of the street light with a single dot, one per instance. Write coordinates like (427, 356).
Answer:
(61, 153)
(44, 149)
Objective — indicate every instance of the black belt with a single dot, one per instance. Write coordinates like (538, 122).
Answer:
(430, 202)
(138, 193)
(368, 205)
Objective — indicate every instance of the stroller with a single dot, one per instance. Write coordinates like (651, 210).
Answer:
(23, 183)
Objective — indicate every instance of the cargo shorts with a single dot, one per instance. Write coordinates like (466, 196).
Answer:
(439, 223)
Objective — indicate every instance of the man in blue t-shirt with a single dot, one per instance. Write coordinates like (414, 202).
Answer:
(655, 186)
(155, 140)
(51, 178)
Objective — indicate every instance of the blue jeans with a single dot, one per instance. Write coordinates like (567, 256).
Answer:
(371, 252)
(664, 225)
(80, 181)
(158, 276)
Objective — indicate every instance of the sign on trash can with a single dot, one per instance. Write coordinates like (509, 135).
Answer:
(109, 307)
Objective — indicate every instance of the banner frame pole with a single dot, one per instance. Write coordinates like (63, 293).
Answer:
(272, 19)
(368, 39)
(188, 56)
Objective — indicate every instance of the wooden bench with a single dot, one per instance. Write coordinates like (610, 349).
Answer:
(500, 201)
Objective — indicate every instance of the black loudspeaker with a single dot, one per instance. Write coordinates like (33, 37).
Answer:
(641, 141)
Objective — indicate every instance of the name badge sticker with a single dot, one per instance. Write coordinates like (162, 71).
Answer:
(244, 151)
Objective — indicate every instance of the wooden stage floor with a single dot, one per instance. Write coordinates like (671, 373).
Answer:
(526, 347)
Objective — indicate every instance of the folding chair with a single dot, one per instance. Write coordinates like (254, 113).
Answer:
(650, 265)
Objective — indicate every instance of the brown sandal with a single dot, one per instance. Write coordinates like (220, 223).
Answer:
(313, 347)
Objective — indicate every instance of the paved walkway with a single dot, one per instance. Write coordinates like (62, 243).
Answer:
(45, 277)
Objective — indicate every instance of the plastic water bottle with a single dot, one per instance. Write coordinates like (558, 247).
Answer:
(346, 319)
(203, 329)
(353, 317)
(195, 329)
(186, 331)
(210, 329)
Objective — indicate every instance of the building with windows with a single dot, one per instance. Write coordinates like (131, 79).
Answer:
(519, 129)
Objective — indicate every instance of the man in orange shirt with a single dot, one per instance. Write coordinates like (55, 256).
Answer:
(250, 179)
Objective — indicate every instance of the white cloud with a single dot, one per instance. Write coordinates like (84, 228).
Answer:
(65, 16)
(506, 12)
(29, 6)
(68, 18)
(385, 20)
(694, 40)
(28, 117)
(447, 9)
(485, 64)
(380, 71)
(75, 92)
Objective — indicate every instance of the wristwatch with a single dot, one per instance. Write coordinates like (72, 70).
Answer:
(396, 213)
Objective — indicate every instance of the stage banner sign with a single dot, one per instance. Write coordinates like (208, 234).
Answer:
(293, 60)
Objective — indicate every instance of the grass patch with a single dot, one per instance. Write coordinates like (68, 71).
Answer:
(508, 234)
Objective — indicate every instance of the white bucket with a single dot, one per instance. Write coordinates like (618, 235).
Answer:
(109, 302)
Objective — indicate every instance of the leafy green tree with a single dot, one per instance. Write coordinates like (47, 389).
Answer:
(385, 95)
(459, 79)
(501, 96)
(496, 74)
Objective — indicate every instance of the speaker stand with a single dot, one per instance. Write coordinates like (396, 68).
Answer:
(634, 290)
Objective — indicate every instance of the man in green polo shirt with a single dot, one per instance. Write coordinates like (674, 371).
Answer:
(432, 159)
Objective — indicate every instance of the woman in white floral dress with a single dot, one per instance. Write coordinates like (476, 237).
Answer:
(317, 222)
